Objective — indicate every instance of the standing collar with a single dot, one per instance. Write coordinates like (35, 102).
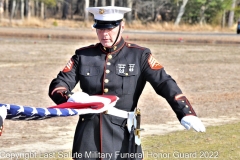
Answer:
(114, 48)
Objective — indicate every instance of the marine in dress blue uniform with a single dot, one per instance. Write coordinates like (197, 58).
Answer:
(122, 70)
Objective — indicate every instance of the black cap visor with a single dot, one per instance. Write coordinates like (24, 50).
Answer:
(106, 24)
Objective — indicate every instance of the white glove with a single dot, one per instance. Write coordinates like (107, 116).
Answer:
(3, 112)
(78, 97)
(82, 97)
(193, 122)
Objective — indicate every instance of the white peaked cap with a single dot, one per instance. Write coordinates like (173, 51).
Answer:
(108, 13)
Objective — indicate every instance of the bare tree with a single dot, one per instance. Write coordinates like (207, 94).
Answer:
(224, 19)
(71, 9)
(181, 12)
(153, 8)
(16, 8)
(86, 12)
(42, 10)
(231, 14)
(32, 8)
(13, 9)
(22, 9)
(65, 9)
(129, 14)
(202, 15)
(36, 8)
(1, 10)
(143, 10)
(6, 8)
(159, 11)
(27, 9)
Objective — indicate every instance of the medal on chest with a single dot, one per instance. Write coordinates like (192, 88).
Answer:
(125, 68)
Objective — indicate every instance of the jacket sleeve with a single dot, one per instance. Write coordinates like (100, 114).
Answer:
(60, 88)
(165, 86)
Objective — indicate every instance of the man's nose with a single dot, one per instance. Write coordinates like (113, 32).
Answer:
(105, 33)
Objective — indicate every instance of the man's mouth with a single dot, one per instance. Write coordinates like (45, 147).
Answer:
(106, 39)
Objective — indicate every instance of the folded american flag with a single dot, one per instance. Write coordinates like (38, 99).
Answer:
(90, 104)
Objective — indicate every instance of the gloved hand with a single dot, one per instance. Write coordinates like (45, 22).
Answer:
(82, 97)
(193, 122)
(78, 97)
(99, 103)
(3, 112)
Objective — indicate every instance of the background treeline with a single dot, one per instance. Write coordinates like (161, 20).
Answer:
(213, 12)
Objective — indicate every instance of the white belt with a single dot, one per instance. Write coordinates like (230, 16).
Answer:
(118, 112)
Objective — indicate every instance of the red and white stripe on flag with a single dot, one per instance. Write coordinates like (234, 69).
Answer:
(93, 102)
(90, 104)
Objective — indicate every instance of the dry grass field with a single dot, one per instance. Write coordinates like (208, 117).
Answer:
(138, 25)
(208, 74)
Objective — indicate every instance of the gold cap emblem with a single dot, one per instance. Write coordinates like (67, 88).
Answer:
(101, 11)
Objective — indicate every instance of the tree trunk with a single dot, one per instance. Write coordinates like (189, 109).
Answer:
(135, 11)
(86, 12)
(32, 8)
(27, 9)
(59, 9)
(42, 10)
(224, 19)
(65, 9)
(16, 8)
(13, 9)
(202, 15)
(129, 14)
(1, 10)
(153, 10)
(71, 9)
(22, 9)
(36, 8)
(7, 9)
(181, 12)
(231, 14)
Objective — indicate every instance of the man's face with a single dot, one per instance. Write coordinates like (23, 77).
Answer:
(108, 36)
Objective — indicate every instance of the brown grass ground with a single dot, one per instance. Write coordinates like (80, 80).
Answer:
(207, 74)
(135, 25)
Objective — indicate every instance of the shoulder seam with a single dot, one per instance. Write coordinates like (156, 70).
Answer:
(135, 46)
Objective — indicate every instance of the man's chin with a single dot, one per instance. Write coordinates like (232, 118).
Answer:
(107, 45)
